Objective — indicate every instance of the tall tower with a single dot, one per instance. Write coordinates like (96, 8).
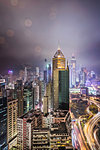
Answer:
(12, 111)
(58, 63)
(25, 75)
(3, 115)
(58, 60)
(73, 71)
(64, 89)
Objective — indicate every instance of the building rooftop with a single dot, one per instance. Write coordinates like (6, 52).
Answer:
(60, 113)
(59, 128)
(31, 114)
(58, 54)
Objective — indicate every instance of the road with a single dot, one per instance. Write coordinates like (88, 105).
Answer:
(78, 140)
(83, 138)
(88, 130)
(95, 137)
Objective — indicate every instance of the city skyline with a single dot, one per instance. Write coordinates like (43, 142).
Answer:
(30, 30)
(49, 74)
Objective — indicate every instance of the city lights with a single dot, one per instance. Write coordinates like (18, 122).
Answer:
(49, 96)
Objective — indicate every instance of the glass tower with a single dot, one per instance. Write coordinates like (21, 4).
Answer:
(3, 117)
(64, 89)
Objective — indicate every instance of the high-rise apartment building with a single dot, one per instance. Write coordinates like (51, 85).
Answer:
(25, 126)
(12, 112)
(49, 94)
(45, 104)
(41, 92)
(36, 96)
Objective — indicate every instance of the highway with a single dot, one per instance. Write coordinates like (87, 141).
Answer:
(95, 137)
(78, 140)
(88, 130)
(83, 138)
(90, 134)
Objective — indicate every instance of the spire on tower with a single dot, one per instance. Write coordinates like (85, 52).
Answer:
(58, 45)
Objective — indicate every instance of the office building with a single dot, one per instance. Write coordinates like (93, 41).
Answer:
(45, 76)
(73, 72)
(48, 72)
(3, 115)
(28, 96)
(64, 89)
(36, 96)
(49, 94)
(19, 90)
(60, 76)
(41, 93)
(83, 77)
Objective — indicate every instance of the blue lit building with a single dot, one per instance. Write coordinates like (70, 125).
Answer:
(28, 97)
(3, 116)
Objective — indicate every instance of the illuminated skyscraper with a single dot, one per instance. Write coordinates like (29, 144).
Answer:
(3, 115)
(60, 77)
(36, 96)
(83, 76)
(73, 72)
(10, 76)
(25, 75)
(28, 97)
(48, 72)
(12, 111)
(58, 60)
(64, 89)
(49, 94)
(19, 90)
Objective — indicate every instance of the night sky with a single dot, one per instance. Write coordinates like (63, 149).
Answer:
(30, 30)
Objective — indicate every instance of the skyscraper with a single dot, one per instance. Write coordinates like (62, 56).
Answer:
(58, 60)
(19, 90)
(83, 76)
(28, 97)
(49, 94)
(3, 115)
(25, 75)
(12, 111)
(73, 72)
(48, 72)
(60, 77)
(37, 71)
(45, 104)
(64, 89)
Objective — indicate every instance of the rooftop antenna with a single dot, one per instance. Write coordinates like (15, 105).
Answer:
(58, 45)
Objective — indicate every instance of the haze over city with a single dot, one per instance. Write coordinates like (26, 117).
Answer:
(49, 75)
(30, 30)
